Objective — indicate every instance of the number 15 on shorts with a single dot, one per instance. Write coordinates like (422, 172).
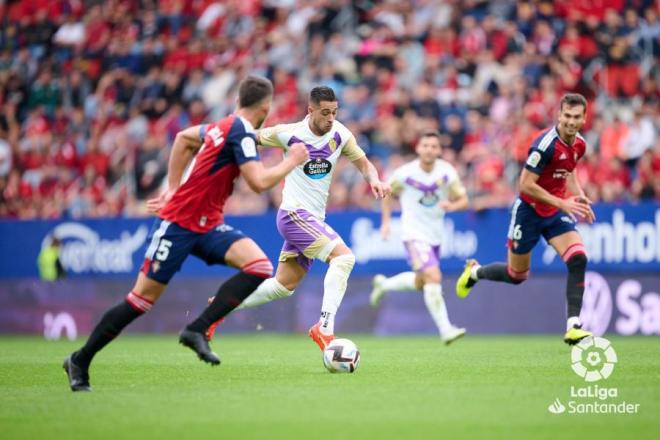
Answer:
(163, 250)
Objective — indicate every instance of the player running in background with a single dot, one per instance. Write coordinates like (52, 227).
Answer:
(204, 162)
(543, 208)
(427, 187)
(301, 217)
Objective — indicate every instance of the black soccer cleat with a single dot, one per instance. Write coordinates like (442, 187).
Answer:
(198, 343)
(78, 377)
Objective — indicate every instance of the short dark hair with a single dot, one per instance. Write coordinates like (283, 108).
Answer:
(253, 90)
(573, 99)
(322, 93)
(430, 133)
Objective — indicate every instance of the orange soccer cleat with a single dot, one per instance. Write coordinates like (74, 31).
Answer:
(211, 330)
(321, 340)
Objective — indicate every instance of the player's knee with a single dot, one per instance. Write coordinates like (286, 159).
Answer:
(432, 277)
(577, 263)
(345, 262)
(140, 303)
(261, 267)
(517, 277)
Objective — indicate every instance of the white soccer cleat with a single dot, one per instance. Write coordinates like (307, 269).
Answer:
(453, 334)
(377, 292)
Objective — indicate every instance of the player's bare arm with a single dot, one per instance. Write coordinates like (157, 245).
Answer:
(186, 144)
(385, 217)
(261, 179)
(571, 206)
(378, 188)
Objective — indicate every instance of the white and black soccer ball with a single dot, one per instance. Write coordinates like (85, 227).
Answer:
(341, 356)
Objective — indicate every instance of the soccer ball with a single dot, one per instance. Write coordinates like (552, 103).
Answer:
(341, 356)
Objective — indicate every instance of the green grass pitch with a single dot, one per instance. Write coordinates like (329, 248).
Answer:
(275, 386)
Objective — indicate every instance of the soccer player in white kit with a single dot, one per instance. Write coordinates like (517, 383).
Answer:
(301, 217)
(427, 188)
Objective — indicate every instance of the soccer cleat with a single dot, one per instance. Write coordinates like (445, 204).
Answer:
(321, 340)
(78, 378)
(198, 343)
(211, 330)
(575, 334)
(465, 282)
(453, 334)
(377, 292)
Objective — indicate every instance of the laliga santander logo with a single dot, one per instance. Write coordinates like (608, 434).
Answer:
(593, 359)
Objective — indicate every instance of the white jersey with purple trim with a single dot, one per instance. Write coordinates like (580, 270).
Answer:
(420, 194)
(308, 185)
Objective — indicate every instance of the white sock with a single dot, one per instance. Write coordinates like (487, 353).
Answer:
(572, 321)
(435, 303)
(269, 290)
(405, 281)
(334, 287)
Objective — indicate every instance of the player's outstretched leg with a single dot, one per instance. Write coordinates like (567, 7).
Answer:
(404, 281)
(500, 272)
(112, 323)
(229, 296)
(268, 291)
(334, 286)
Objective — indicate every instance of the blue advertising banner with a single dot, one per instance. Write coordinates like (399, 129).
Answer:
(613, 303)
(625, 238)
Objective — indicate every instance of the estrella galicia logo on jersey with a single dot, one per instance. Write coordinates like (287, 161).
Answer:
(317, 168)
(429, 199)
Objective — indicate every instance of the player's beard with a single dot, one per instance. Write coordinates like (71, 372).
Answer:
(322, 128)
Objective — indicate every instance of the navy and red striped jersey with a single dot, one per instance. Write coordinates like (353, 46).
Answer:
(553, 160)
(199, 202)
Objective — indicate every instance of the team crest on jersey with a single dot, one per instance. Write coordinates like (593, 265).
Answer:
(332, 144)
(317, 168)
(155, 266)
(429, 199)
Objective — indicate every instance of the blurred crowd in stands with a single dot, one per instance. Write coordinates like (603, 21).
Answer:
(93, 92)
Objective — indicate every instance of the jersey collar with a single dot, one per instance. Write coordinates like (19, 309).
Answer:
(248, 125)
(577, 134)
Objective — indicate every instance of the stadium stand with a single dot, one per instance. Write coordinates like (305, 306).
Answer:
(93, 92)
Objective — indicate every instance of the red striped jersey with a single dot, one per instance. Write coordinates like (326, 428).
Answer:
(199, 202)
(553, 160)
